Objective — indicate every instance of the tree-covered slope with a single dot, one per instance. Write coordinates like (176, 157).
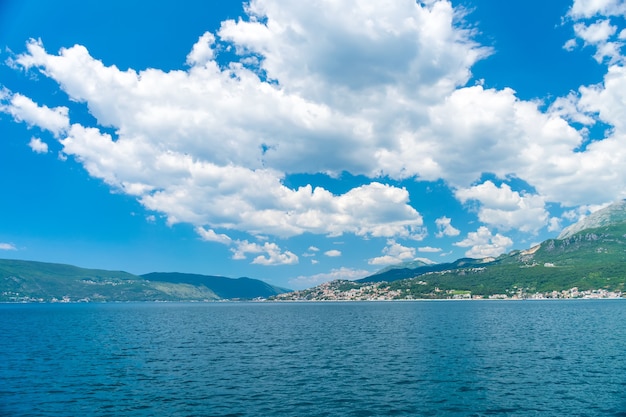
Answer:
(29, 280)
(227, 288)
(40, 281)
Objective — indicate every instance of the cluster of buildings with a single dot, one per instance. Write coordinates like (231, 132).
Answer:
(347, 291)
(332, 291)
(575, 293)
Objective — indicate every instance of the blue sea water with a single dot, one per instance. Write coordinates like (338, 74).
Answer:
(506, 358)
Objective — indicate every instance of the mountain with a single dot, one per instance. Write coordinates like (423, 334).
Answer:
(588, 259)
(416, 263)
(408, 269)
(613, 214)
(39, 281)
(225, 288)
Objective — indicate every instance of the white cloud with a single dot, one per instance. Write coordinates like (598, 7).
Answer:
(570, 45)
(24, 109)
(202, 52)
(369, 88)
(38, 146)
(506, 209)
(271, 253)
(233, 197)
(595, 33)
(554, 224)
(313, 249)
(429, 249)
(394, 253)
(445, 228)
(333, 253)
(7, 246)
(209, 235)
(590, 8)
(327, 50)
(307, 281)
(599, 34)
(483, 244)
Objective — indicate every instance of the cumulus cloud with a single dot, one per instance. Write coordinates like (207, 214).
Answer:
(327, 50)
(271, 254)
(38, 146)
(333, 253)
(591, 8)
(7, 246)
(307, 281)
(595, 33)
(506, 209)
(394, 253)
(202, 52)
(600, 33)
(445, 228)
(369, 88)
(484, 244)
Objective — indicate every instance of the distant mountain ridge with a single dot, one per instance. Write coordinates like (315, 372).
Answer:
(613, 214)
(22, 281)
(416, 263)
(401, 271)
(224, 288)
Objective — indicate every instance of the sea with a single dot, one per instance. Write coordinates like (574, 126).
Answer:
(418, 358)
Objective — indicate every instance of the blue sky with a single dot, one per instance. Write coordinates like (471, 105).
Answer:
(299, 143)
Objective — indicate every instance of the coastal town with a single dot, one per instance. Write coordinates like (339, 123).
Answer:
(341, 290)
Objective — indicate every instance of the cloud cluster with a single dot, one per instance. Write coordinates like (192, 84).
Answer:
(484, 244)
(370, 88)
(505, 209)
(594, 27)
(445, 228)
(394, 253)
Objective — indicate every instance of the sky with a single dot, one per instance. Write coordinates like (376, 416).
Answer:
(299, 143)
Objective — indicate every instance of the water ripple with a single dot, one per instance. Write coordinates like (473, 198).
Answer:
(352, 359)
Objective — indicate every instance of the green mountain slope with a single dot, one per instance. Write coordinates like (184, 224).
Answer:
(39, 281)
(588, 259)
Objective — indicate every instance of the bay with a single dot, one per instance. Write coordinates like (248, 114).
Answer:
(456, 358)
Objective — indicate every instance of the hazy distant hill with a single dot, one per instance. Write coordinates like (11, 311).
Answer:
(226, 288)
(39, 281)
(405, 270)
